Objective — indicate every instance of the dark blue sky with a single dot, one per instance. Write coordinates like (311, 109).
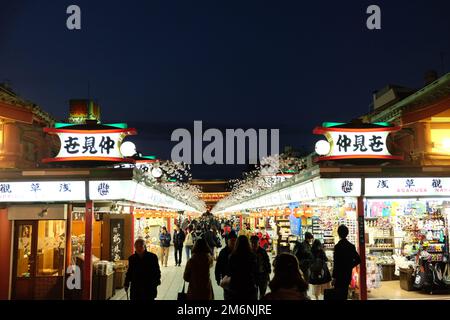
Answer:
(160, 65)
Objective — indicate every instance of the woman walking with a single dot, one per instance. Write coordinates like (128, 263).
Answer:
(243, 271)
(188, 242)
(197, 272)
(320, 277)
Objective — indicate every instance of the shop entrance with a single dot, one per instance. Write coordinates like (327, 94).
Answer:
(39, 250)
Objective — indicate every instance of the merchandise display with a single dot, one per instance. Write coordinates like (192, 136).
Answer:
(408, 233)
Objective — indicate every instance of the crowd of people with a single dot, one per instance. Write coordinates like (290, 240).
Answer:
(243, 266)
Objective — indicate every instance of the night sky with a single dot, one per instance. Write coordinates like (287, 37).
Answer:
(160, 65)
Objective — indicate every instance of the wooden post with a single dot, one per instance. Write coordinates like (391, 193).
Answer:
(362, 249)
(87, 272)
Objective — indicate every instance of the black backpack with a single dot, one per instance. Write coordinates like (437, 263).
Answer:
(318, 272)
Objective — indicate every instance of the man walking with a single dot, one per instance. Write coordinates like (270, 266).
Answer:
(164, 242)
(222, 265)
(178, 240)
(143, 273)
(264, 268)
(345, 259)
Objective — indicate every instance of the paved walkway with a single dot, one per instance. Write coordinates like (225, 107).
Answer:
(172, 281)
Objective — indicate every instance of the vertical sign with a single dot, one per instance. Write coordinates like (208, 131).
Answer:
(117, 238)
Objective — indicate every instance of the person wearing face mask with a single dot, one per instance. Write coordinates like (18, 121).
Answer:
(143, 273)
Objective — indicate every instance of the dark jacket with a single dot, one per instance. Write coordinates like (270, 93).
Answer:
(264, 267)
(144, 275)
(212, 240)
(198, 276)
(304, 256)
(164, 239)
(178, 238)
(345, 259)
(319, 272)
(222, 265)
(243, 273)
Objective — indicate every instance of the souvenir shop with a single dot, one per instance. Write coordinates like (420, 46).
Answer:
(316, 205)
(406, 226)
(148, 224)
(49, 221)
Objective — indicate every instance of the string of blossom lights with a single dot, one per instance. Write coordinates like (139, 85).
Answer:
(172, 177)
(271, 171)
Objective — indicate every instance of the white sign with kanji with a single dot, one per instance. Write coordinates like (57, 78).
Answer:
(351, 143)
(42, 191)
(90, 145)
(387, 187)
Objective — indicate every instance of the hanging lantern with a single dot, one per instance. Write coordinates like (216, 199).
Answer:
(287, 211)
(309, 212)
(278, 212)
(298, 212)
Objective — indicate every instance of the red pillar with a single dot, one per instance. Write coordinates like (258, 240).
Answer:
(87, 272)
(5, 253)
(362, 249)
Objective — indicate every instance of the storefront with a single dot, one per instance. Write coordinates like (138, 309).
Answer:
(63, 222)
(407, 224)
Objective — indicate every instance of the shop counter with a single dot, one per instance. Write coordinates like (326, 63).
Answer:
(407, 279)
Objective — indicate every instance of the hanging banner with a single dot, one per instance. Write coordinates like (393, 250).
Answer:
(354, 143)
(89, 145)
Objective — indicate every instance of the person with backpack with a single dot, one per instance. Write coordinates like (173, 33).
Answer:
(319, 274)
(303, 253)
(188, 242)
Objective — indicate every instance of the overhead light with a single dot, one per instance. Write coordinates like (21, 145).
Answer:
(322, 147)
(157, 172)
(128, 149)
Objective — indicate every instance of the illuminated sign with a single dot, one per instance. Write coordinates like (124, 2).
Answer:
(350, 187)
(40, 191)
(354, 143)
(386, 187)
(133, 191)
(89, 145)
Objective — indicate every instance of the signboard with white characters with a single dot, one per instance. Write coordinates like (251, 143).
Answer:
(387, 187)
(351, 143)
(41, 191)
